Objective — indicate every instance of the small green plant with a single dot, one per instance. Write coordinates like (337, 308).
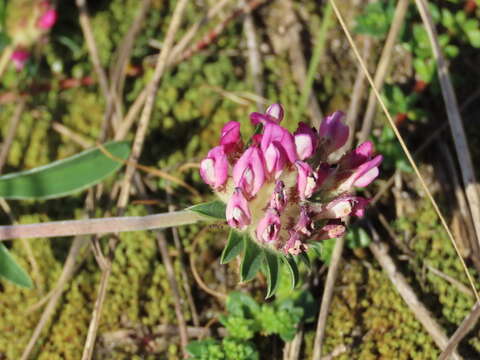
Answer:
(376, 19)
(246, 319)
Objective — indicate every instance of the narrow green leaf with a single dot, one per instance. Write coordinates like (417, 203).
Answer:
(233, 247)
(252, 260)
(10, 270)
(292, 268)
(303, 257)
(212, 209)
(273, 272)
(65, 176)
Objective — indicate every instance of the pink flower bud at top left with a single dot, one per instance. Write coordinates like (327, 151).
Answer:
(238, 214)
(19, 58)
(230, 137)
(48, 19)
(249, 172)
(214, 168)
(333, 131)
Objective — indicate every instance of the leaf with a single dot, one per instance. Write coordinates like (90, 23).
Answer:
(10, 270)
(292, 268)
(303, 257)
(252, 260)
(65, 176)
(241, 304)
(233, 247)
(357, 237)
(199, 348)
(273, 272)
(213, 209)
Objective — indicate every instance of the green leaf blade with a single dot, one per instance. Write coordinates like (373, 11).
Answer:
(213, 209)
(292, 268)
(233, 247)
(65, 176)
(273, 272)
(11, 271)
(252, 260)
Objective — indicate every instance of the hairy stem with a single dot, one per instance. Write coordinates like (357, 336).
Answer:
(99, 226)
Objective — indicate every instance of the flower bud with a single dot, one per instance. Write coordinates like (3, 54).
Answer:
(282, 138)
(249, 172)
(237, 213)
(273, 114)
(48, 19)
(306, 141)
(304, 225)
(294, 244)
(19, 58)
(268, 227)
(279, 196)
(333, 132)
(306, 180)
(333, 230)
(230, 137)
(214, 168)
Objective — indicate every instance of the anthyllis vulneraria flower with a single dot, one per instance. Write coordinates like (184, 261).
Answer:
(284, 189)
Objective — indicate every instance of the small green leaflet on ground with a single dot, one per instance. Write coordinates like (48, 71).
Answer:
(11, 271)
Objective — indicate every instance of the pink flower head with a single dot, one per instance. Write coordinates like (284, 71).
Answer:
(268, 227)
(306, 180)
(305, 224)
(214, 168)
(294, 245)
(19, 58)
(48, 19)
(306, 141)
(278, 200)
(282, 138)
(367, 172)
(230, 137)
(273, 114)
(333, 131)
(249, 172)
(237, 213)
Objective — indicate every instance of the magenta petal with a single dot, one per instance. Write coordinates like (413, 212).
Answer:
(48, 19)
(304, 225)
(306, 180)
(360, 206)
(249, 171)
(274, 132)
(275, 111)
(367, 172)
(19, 58)
(332, 230)
(268, 227)
(214, 168)
(237, 212)
(333, 130)
(306, 141)
(358, 156)
(275, 159)
(294, 244)
(230, 137)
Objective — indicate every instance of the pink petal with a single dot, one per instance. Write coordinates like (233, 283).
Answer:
(237, 212)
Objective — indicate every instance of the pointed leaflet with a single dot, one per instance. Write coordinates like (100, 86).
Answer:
(252, 259)
(65, 176)
(212, 209)
(10, 270)
(292, 268)
(233, 247)
(272, 263)
(303, 257)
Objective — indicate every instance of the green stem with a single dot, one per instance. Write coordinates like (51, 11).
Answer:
(99, 226)
(317, 54)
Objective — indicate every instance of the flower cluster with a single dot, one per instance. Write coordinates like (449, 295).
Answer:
(27, 29)
(283, 188)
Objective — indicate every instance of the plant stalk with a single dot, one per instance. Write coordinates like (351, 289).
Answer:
(99, 226)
